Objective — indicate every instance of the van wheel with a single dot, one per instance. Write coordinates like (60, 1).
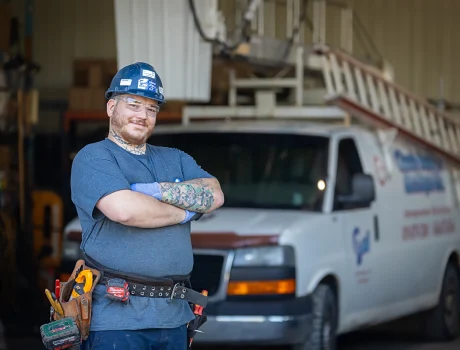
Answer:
(323, 334)
(442, 323)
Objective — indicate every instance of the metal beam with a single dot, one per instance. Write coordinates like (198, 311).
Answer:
(326, 113)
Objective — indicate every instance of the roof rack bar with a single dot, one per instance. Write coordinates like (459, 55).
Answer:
(279, 112)
(256, 83)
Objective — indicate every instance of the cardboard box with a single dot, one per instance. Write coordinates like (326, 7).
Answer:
(95, 76)
(87, 99)
(94, 72)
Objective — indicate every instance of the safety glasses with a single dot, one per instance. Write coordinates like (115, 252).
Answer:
(137, 106)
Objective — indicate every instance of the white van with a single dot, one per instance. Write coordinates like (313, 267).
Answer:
(323, 232)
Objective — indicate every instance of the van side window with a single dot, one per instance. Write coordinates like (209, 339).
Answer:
(348, 164)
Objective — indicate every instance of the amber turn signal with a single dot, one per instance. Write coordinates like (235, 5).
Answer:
(261, 287)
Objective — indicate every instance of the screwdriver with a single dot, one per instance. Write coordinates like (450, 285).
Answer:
(57, 288)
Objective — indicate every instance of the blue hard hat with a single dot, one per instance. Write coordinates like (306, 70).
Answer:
(139, 79)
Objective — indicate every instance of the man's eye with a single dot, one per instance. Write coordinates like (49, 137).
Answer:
(134, 106)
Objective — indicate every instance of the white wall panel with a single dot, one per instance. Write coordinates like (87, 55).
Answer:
(162, 33)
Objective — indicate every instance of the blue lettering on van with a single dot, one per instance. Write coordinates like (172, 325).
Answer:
(362, 245)
(421, 172)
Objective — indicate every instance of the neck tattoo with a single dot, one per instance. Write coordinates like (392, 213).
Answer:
(134, 149)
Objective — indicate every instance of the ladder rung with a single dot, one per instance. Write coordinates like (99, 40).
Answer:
(370, 116)
(365, 92)
(265, 83)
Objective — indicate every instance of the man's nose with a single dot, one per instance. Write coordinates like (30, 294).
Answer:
(143, 113)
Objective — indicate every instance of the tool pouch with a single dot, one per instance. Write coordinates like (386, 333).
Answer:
(78, 308)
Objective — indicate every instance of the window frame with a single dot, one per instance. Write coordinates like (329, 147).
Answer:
(329, 203)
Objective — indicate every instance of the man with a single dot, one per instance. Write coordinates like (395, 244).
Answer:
(135, 202)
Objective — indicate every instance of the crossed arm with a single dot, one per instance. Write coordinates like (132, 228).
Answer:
(198, 195)
(136, 209)
(168, 203)
(98, 178)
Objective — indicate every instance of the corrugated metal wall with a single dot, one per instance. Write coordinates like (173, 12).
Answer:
(417, 37)
(162, 33)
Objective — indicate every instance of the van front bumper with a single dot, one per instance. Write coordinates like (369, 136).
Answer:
(277, 322)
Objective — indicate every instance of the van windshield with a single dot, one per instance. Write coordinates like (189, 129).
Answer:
(259, 170)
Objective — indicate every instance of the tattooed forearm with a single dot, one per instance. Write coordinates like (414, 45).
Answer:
(194, 195)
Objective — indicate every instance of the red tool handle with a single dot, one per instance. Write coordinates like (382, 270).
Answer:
(57, 288)
(199, 309)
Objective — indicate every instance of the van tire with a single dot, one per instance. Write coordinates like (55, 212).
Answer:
(442, 323)
(323, 335)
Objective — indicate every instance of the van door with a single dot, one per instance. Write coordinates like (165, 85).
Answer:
(361, 238)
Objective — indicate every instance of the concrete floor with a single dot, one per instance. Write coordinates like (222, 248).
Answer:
(366, 340)
(358, 341)
(399, 335)
(386, 341)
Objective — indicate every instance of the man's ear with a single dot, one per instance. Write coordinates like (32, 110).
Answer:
(110, 107)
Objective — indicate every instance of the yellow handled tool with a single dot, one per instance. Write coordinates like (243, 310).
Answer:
(54, 303)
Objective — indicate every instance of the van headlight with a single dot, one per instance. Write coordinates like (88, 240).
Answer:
(265, 256)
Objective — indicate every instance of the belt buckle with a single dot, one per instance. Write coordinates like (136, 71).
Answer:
(173, 291)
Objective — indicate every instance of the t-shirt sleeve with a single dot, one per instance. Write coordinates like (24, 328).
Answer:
(92, 178)
(191, 169)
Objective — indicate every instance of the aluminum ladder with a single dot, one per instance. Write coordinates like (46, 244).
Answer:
(365, 93)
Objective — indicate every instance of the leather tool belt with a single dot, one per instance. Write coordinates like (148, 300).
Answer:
(79, 306)
(172, 287)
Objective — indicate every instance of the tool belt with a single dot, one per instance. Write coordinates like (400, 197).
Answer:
(172, 287)
(78, 306)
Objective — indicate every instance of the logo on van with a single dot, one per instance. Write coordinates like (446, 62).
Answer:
(361, 245)
(421, 172)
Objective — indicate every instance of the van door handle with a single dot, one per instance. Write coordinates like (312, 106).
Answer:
(376, 228)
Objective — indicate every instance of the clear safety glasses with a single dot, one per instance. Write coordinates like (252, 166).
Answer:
(137, 106)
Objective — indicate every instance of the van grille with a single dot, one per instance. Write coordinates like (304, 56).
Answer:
(207, 272)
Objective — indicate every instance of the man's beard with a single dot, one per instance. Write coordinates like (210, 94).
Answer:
(119, 128)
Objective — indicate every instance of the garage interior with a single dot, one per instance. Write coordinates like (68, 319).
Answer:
(58, 57)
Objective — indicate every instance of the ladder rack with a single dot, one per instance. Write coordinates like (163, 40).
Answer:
(266, 106)
(366, 94)
(352, 88)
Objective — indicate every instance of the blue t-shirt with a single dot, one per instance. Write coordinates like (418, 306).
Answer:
(100, 169)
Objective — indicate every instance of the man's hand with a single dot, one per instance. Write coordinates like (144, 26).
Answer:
(198, 195)
(152, 189)
(189, 215)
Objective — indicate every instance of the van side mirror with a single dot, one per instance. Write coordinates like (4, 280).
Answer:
(362, 190)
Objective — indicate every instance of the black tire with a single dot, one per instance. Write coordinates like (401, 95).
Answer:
(323, 335)
(443, 323)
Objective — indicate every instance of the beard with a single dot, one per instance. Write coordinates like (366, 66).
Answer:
(120, 125)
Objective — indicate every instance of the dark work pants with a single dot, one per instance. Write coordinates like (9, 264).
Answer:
(148, 339)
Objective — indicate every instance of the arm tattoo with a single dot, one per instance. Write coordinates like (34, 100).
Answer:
(192, 195)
